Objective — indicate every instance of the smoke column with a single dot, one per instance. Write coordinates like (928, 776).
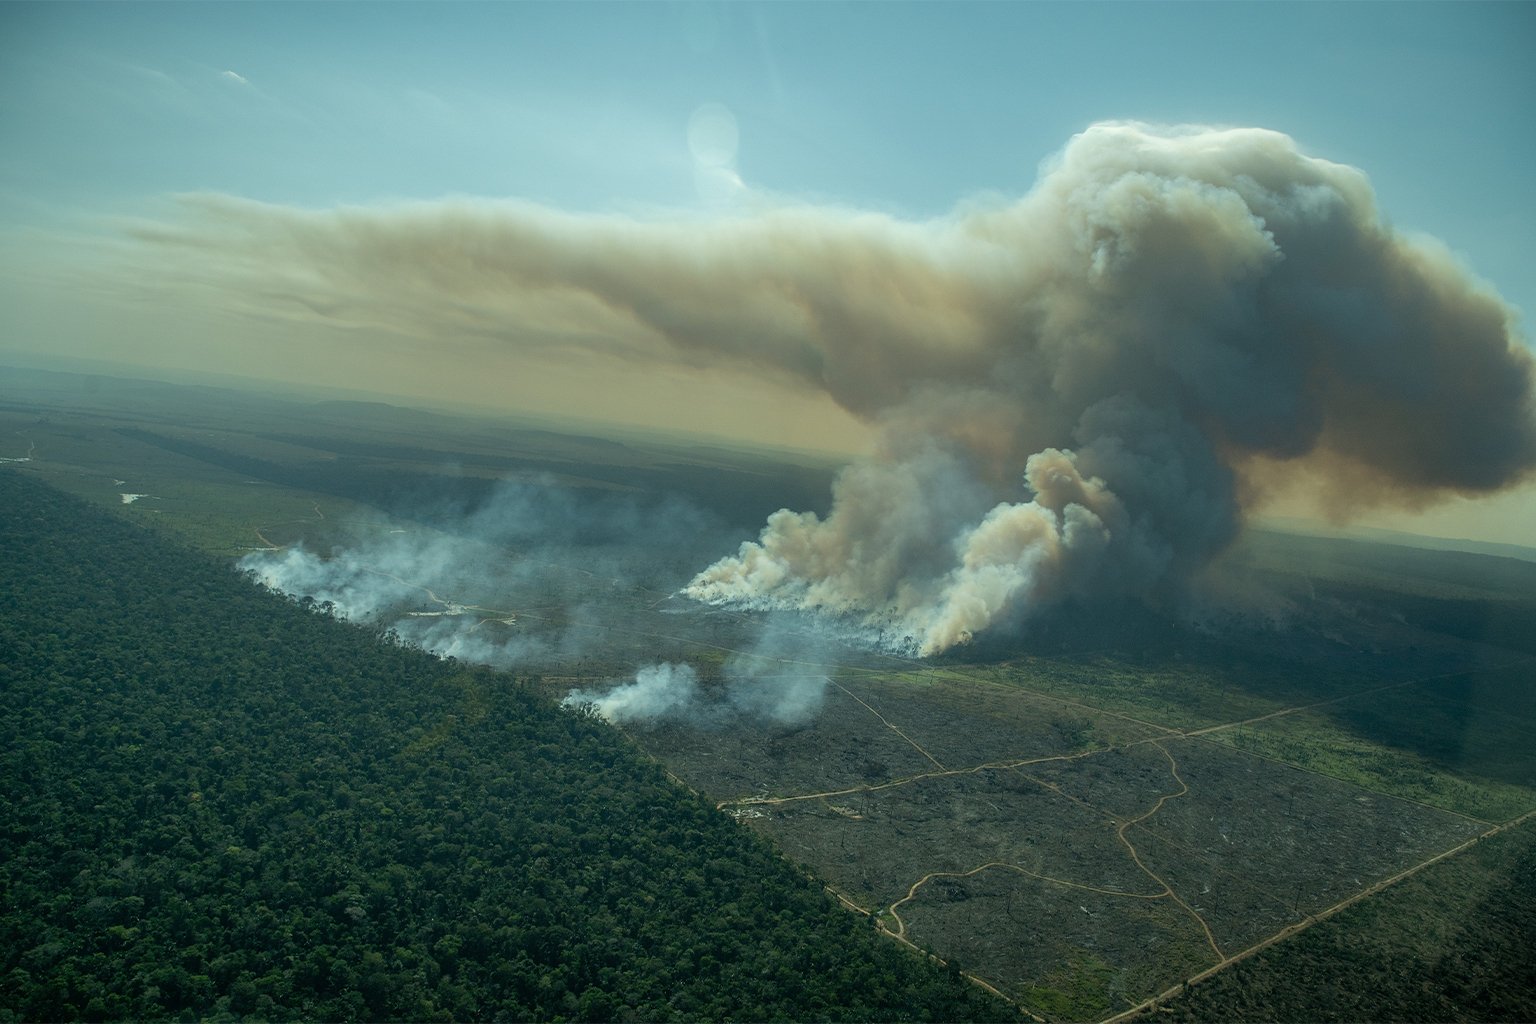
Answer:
(1164, 315)
(1079, 393)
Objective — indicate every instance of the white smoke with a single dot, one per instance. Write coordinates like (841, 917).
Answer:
(390, 583)
(1080, 393)
(657, 692)
(356, 585)
(779, 677)
(669, 692)
(462, 591)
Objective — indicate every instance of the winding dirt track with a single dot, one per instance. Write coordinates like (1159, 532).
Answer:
(900, 929)
(897, 929)
(1173, 767)
(905, 780)
(319, 517)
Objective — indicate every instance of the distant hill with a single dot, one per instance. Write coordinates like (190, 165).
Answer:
(1306, 527)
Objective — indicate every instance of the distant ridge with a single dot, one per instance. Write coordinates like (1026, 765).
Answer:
(1399, 537)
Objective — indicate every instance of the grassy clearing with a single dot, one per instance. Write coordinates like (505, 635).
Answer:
(1178, 697)
(964, 720)
(1076, 992)
(1314, 741)
(204, 506)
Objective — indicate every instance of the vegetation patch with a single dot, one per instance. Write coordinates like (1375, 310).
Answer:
(1319, 743)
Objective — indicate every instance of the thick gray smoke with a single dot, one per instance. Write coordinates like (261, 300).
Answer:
(1080, 392)
(1165, 315)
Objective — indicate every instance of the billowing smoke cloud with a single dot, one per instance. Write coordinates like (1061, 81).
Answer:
(1079, 392)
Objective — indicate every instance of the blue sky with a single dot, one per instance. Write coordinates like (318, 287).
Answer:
(908, 108)
(107, 110)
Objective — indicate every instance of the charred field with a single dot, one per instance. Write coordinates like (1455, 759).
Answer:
(1080, 816)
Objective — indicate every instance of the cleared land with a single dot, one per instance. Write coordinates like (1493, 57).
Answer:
(1453, 942)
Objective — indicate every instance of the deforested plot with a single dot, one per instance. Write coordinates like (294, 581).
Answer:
(1452, 943)
(1196, 849)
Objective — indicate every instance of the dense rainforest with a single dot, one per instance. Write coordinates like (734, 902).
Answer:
(220, 805)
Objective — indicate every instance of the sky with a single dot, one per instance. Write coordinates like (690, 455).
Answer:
(687, 114)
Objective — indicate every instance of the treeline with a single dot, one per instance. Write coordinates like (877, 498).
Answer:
(410, 493)
(1456, 942)
(219, 805)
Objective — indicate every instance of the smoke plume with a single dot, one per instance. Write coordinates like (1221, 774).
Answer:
(389, 583)
(751, 690)
(1079, 392)
(657, 692)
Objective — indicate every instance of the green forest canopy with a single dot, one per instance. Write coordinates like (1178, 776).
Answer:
(222, 804)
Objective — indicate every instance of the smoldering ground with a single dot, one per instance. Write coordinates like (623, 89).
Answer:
(1081, 394)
